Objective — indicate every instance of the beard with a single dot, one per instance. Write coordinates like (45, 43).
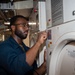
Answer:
(20, 34)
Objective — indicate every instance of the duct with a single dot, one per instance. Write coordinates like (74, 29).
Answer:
(6, 5)
(23, 4)
(23, 7)
(18, 8)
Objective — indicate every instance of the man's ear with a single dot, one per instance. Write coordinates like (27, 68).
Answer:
(13, 28)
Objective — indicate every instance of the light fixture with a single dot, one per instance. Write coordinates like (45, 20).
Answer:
(7, 23)
(32, 23)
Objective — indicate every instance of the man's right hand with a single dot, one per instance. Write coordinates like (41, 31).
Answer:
(42, 37)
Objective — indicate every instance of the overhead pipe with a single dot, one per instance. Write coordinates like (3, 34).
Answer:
(3, 15)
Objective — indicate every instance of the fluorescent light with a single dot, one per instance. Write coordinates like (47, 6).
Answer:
(7, 23)
(7, 29)
(32, 23)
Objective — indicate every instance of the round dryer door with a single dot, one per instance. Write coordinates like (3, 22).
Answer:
(65, 63)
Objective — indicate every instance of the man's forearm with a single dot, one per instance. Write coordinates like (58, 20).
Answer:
(32, 53)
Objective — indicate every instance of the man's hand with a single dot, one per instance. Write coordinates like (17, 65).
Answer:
(42, 37)
(45, 56)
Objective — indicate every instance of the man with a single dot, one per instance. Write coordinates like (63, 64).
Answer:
(15, 57)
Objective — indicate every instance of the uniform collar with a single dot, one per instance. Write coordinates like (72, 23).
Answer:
(14, 43)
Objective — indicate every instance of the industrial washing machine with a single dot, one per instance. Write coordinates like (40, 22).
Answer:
(61, 49)
(61, 38)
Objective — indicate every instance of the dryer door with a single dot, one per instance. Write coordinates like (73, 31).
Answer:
(65, 61)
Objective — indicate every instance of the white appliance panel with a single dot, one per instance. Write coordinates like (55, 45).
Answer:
(57, 55)
(62, 11)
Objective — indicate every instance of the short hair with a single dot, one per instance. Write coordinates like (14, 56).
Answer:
(14, 19)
